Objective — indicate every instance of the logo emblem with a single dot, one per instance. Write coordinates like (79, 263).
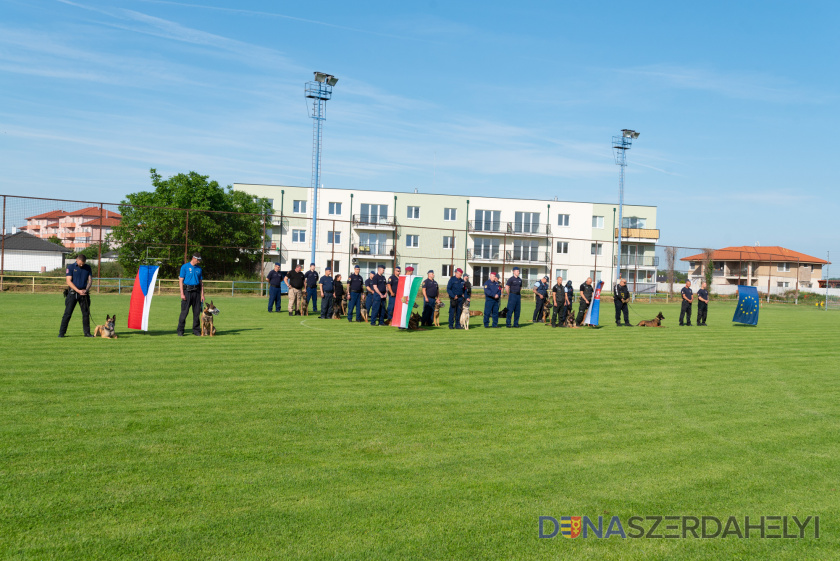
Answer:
(405, 299)
(570, 526)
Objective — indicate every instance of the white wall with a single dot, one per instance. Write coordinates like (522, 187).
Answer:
(31, 261)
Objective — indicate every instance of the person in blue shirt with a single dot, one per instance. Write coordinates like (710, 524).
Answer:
(327, 288)
(430, 294)
(78, 277)
(355, 288)
(391, 288)
(541, 293)
(275, 284)
(311, 277)
(380, 307)
(687, 299)
(492, 297)
(703, 304)
(455, 289)
(370, 294)
(192, 294)
(513, 287)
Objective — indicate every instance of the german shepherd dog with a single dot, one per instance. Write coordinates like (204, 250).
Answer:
(340, 307)
(364, 308)
(570, 319)
(414, 321)
(304, 307)
(503, 313)
(464, 320)
(655, 322)
(438, 306)
(106, 331)
(207, 327)
(545, 316)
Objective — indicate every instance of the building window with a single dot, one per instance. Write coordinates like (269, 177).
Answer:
(561, 273)
(299, 207)
(487, 220)
(450, 214)
(334, 266)
(412, 241)
(296, 262)
(596, 248)
(784, 284)
(526, 222)
(334, 237)
(597, 221)
(562, 219)
(413, 212)
(595, 276)
(562, 247)
(447, 271)
(783, 267)
(299, 236)
(633, 222)
(529, 274)
(374, 214)
(334, 209)
(413, 266)
(526, 250)
(448, 242)
(487, 248)
(270, 203)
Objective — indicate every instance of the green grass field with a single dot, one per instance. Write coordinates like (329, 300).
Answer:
(316, 439)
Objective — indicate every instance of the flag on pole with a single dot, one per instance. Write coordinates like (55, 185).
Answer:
(592, 312)
(407, 290)
(747, 309)
(141, 297)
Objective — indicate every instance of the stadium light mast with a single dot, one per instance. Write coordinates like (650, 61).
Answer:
(621, 144)
(319, 91)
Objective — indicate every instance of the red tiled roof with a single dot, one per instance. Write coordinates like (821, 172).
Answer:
(760, 253)
(93, 211)
(108, 221)
(48, 215)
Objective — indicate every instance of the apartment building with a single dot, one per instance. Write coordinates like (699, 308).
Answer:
(765, 267)
(443, 232)
(75, 229)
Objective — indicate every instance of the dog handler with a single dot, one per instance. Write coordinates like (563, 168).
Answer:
(703, 304)
(275, 281)
(492, 294)
(430, 294)
(620, 295)
(514, 289)
(295, 280)
(391, 288)
(192, 294)
(327, 288)
(586, 290)
(557, 310)
(687, 298)
(79, 277)
(311, 277)
(355, 286)
(455, 289)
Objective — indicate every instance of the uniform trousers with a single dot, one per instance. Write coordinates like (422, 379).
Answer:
(192, 301)
(491, 310)
(274, 294)
(69, 305)
(514, 306)
(295, 299)
(355, 301)
(685, 310)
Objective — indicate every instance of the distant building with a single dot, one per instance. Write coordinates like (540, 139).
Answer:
(75, 229)
(763, 267)
(24, 252)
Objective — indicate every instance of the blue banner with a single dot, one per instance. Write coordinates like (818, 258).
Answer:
(747, 309)
(592, 312)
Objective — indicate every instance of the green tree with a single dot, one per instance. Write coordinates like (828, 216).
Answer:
(186, 211)
(55, 239)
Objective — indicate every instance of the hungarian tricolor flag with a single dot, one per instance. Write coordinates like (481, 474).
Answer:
(141, 297)
(407, 291)
(592, 312)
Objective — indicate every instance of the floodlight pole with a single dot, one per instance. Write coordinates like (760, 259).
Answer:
(319, 91)
(621, 144)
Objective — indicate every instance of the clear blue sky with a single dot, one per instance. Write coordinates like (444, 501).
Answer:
(736, 102)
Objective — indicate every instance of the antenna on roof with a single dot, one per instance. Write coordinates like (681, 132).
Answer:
(757, 244)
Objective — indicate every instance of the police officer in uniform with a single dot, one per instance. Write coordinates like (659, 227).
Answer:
(586, 290)
(558, 298)
(370, 295)
(79, 277)
(393, 284)
(467, 289)
(455, 290)
(430, 294)
(355, 286)
(192, 294)
(492, 296)
(687, 299)
(570, 300)
(703, 304)
(541, 293)
(312, 278)
(327, 288)
(621, 295)
(275, 282)
(513, 287)
(296, 281)
(380, 307)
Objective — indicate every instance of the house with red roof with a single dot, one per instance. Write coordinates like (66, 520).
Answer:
(77, 229)
(765, 267)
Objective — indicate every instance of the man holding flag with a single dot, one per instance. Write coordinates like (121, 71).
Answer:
(594, 307)
(585, 300)
(407, 290)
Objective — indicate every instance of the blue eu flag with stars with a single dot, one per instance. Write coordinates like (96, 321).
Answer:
(747, 309)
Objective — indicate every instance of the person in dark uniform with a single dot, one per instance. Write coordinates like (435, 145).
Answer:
(586, 291)
(79, 277)
(393, 284)
(492, 297)
(570, 300)
(192, 294)
(703, 304)
(380, 307)
(687, 299)
(541, 293)
(296, 281)
(312, 278)
(370, 295)
(430, 294)
(621, 295)
(326, 287)
(455, 290)
(513, 287)
(338, 293)
(275, 283)
(558, 298)
(355, 287)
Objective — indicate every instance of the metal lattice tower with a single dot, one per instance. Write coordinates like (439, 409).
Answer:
(319, 91)
(621, 144)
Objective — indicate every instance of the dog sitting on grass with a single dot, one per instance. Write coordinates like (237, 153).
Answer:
(655, 322)
(207, 328)
(438, 307)
(107, 331)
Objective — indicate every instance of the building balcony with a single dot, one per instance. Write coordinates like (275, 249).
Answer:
(484, 256)
(374, 222)
(638, 234)
(273, 249)
(374, 250)
(517, 256)
(641, 261)
(513, 229)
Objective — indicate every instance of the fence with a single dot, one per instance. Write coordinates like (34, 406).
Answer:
(117, 238)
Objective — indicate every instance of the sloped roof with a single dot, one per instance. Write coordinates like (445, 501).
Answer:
(760, 253)
(48, 215)
(93, 211)
(108, 221)
(23, 241)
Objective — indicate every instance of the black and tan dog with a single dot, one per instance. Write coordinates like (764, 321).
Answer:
(363, 307)
(503, 313)
(545, 316)
(414, 322)
(438, 307)
(304, 307)
(107, 331)
(655, 322)
(207, 327)
(570, 320)
(340, 308)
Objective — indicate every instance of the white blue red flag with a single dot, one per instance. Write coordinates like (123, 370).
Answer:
(594, 309)
(141, 297)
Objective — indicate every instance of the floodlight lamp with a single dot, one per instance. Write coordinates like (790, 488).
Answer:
(331, 80)
(626, 133)
(320, 76)
(635, 134)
